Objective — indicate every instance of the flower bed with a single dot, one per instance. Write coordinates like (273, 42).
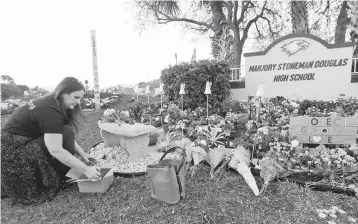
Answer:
(106, 102)
(10, 105)
(262, 128)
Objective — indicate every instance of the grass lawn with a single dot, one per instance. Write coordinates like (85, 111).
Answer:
(226, 199)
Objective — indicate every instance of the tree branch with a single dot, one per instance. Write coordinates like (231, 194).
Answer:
(199, 29)
(228, 6)
(269, 24)
(236, 6)
(258, 31)
(328, 6)
(169, 19)
(248, 25)
(243, 10)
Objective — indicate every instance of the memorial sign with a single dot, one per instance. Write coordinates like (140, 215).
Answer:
(324, 130)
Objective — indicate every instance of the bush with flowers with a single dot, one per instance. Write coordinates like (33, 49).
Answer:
(116, 116)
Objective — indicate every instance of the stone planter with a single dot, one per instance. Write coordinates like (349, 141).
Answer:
(134, 138)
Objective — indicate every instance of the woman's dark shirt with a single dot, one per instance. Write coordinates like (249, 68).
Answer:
(43, 115)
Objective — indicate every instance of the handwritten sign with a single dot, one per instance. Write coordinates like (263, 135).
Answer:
(324, 130)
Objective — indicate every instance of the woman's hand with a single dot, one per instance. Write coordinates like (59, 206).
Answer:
(93, 172)
(89, 159)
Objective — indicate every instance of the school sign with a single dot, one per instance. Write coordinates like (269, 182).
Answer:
(300, 66)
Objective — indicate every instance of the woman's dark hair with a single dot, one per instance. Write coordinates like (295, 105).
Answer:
(69, 85)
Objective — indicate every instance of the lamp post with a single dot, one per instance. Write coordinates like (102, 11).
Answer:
(207, 93)
(147, 91)
(182, 92)
(259, 94)
(161, 90)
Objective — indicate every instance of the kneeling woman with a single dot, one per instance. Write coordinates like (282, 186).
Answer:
(38, 145)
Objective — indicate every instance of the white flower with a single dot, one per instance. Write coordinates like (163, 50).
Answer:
(203, 142)
(295, 143)
(166, 119)
(199, 129)
(325, 210)
(331, 222)
(125, 113)
(333, 215)
(351, 219)
(335, 208)
(294, 104)
(322, 215)
(109, 112)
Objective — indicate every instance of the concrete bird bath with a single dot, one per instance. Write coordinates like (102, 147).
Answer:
(134, 138)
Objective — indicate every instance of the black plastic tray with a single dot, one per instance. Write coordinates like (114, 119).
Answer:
(129, 175)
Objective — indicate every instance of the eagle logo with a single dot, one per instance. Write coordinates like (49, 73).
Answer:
(295, 46)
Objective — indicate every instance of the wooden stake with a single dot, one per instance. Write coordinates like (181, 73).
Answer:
(182, 109)
(161, 109)
(207, 106)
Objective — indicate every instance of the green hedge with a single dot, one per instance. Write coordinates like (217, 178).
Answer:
(195, 75)
(12, 90)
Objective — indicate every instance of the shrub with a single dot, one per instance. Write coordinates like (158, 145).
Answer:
(232, 106)
(195, 76)
(10, 90)
(102, 95)
(23, 88)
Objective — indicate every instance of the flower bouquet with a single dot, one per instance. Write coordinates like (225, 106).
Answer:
(118, 117)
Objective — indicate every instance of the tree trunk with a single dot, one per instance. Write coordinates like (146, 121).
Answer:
(218, 20)
(218, 15)
(238, 45)
(342, 22)
(299, 15)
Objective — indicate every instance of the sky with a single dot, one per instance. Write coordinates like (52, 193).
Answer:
(42, 42)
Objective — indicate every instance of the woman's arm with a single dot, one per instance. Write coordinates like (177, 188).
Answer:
(53, 143)
(87, 157)
(79, 151)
